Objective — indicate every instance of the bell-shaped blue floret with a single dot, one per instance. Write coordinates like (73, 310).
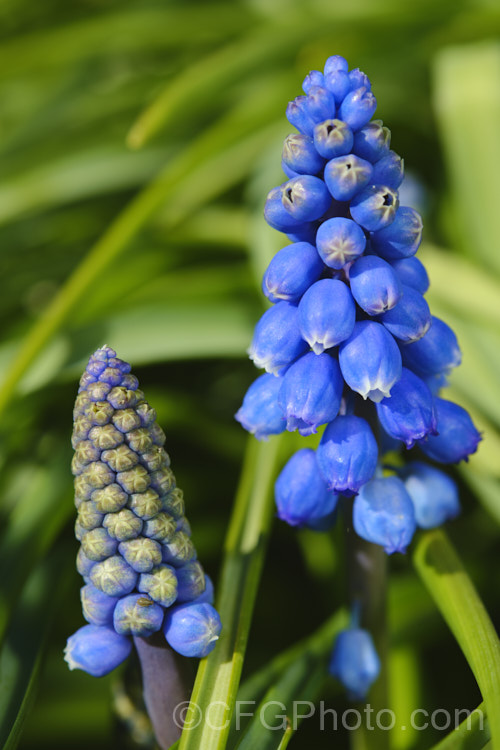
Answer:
(402, 238)
(383, 514)
(357, 108)
(97, 607)
(305, 198)
(260, 413)
(410, 319)
(411, 272)
(373, 141)
(340, 241)
(359, 79)
(375, 207)
(277, 341)
(435, 353)
(297, 114)
(300, 155)
(408, 414)
(370, 360)
(332, 138)
(389, 170)
(374, 284)
(276, 214)
(192, 629)
(301, 494)
(338, 82)
(310, 393)
(433, 493)
(291, 272)
(327, 314)
(190, 581)
(320, 103)
(457, 436)
(334, 63)
(354, 662)
(346, 175)
(96, 649)
(347, 454)
(137, 614)
(207, 594)
(313, 78)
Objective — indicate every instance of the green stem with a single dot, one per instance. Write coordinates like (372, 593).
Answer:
(218, 677)
(367, 583)
(442, 572)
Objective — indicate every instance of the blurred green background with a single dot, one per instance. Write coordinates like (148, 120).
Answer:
(138, 141)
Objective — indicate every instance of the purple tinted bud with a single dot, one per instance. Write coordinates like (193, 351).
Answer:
(359, 79)
(374, 284)
(346, 175)
(300, 156)
(410, 319)
(383, 514)
(340, 241)
(292, 270)
(160, 584)
(96, 649)
(433, 493)
(402, 238)
(137, 614)
(334, 63)
(305, 232)
(408, 414)
(375, 207)
(389, 170)
(97, 607)
(411, 272)
(327, 314)
(297, 114)
(260, 413)
(457, 436)
(98, 545)
(320, 103)
(208, 593)
(370, 361)
(192, 629)
(313, 78)
(84, 564)
(333, 138)
(300, 491)
(358, 107)
(113, 576)
(310, 393)
(190, 581)
(435, 353)
(277, 341)
(290, 173)
(354, 662)
(347, 454)
(142, 554)
(306, 198)
(338, 82)
(373, 141)
(179, 550)
(276, 215)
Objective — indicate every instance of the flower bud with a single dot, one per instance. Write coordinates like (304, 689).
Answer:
(332, 138)
(297, 114)
(345, 176)
(410, 319)
(137, 614)
(347, 454)
(276, 214)
(192, 629)
(338, 82)
(370, 360)
(358, 107)
(408, 414)
(411, 272)
(160, 584)
(300, 155)
(434, 494)
(375, 207)
(372, 142)
(305, 198)
(389, 170)
(358, 79)
(291, 272)
(320, 103)
(190, 581)
(260, 413)
(97, 607)
(435, 353)
(354, 662)
(326, 314)
(301, 494)
(334, 63)
(313, 78)
(96, 649)
(457, 436)
(402, 238)
(374, 284)
(310, 392)
(340, 241)
(277, 341)
(383, 514)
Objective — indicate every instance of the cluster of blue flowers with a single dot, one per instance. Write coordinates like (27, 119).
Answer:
(136, 555)
(350, 342)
